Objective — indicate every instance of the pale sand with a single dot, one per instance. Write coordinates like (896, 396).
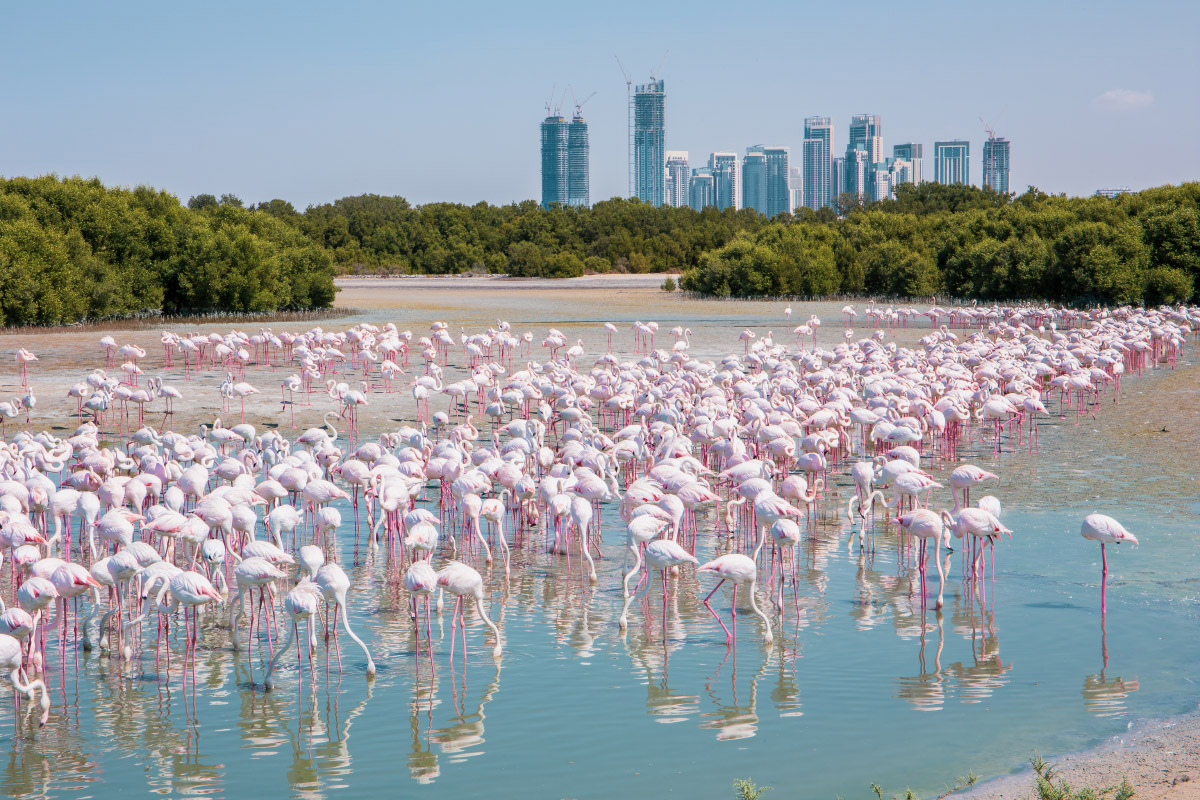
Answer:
(1161, 759)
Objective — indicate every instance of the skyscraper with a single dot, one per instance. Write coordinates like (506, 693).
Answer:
(866, 132)
(677, 178)
(727, 179)
(554, 161)
(818, 149)
(952, 161)
(779, 197)
(578, 157)
(754, 179)
(995, 164)
(899, 170)
(856, 173)
(796, 187)
(649, 136)
(702, 191)
(837, 178)
(913, 153)
(879, 181)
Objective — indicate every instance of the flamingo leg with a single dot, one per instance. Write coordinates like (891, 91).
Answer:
(716, 616)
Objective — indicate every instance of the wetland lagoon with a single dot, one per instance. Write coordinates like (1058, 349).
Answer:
(863, 683)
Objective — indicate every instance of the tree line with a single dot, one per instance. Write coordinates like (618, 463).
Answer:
(73, 249)
(967, 242)
(372, 233)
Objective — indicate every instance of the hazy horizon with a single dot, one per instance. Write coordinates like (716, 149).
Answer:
(310, 103)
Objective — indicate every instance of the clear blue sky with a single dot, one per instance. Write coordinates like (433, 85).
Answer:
(441, 101)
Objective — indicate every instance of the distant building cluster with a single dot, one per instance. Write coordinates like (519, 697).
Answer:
(565, 155)
(763, 178)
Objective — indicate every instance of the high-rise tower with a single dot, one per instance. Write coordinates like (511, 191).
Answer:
(677, 178)
(702, 191)
(649, 137)
(911, 152)
(952, 161)
(995, 163)
(727, 180)
(779, 196)
(765, 180)
(554, 161)
(866, 133)
(578, 157)
(818, 151)
(754, 179)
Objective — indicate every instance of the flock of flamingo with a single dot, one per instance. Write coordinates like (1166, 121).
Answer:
(160, 533)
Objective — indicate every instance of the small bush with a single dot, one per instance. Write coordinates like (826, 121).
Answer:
(1048, 790)
(668, 285)
(744, 789)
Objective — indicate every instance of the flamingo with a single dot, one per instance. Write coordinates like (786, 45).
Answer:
(926, 525)
(1105, 530)
(24, 357)
(301, 604)
(11, 665)
(420, 580)
(190, 590)
(241, 390)
(333, 584)
(463, 581)
(740, 571)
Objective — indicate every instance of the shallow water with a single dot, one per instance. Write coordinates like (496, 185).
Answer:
(860, 687)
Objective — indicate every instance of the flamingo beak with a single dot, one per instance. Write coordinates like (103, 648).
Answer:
(1129, 537)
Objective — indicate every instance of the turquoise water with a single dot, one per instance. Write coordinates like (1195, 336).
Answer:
(860, 687)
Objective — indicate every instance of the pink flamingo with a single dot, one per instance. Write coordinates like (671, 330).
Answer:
(926, 525)
(11, 665)
(464, 581)
(23, 358)
(1105, 530)
(301, 605)
(741, 571)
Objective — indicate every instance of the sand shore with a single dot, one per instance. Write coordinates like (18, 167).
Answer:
(1160, 757)
(501, 282)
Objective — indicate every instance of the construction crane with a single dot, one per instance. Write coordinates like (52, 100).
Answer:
(550, 111)
(991, 133)
(658, 69)
(579, 104)
(629, 126)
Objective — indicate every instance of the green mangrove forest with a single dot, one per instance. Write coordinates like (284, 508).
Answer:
(72, 249)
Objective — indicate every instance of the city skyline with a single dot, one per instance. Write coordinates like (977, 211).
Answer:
(309, 103)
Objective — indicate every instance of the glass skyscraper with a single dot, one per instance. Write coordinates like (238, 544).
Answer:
(779, 197)
(727, 180)
(952, 161)
(866, 133)
(554, 161)
(677, 178)
(913, 153)
(818, 151)
(754, 179)
(837, 178)
(856, 173)
(995, 164)
(702, 190)
(578, 156)
(649, 137)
